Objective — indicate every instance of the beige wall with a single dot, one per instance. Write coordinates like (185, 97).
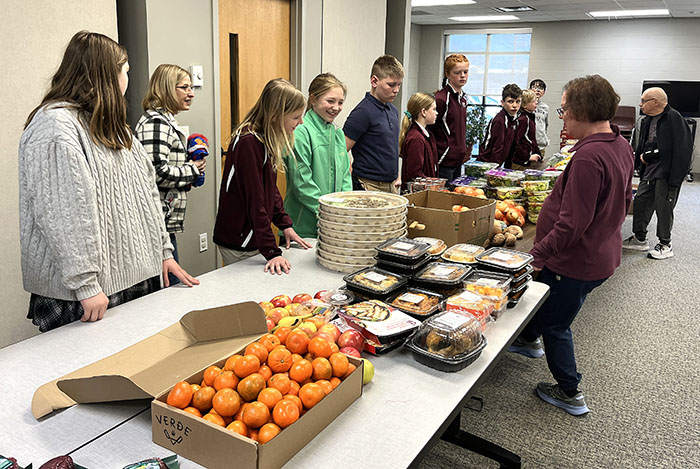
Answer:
(30, 56)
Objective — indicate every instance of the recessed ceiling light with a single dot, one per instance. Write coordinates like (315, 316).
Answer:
(619, 13)
(435, 3)
(484, 19)
(515, 9)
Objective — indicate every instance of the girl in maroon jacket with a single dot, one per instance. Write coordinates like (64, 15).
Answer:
(526, 149)
(418, 149)
(249, 200)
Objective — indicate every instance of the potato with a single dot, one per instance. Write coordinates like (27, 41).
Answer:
(510, 239)
(515, 230)
(498, 239)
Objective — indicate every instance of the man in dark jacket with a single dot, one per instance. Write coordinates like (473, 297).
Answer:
(664, 148)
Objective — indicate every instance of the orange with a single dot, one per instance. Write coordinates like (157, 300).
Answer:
(195, 387)
(247, 365)
(334, 348)
(268, 432)
(239, 414)
(296, 357)
(297, 342)
(279, 360)
(202, 398)
(311, 394)
(253, 434)
(215, 419)
(193, 411)
(270, 397)
(280, 381)
(270, 341)
(326, 385)
(321, 369)
(226, 402)
(257, 349)
(351, 368)
(256, 414)
(226, 380)
(320, 347)
(238, 427)
(210, 375)
(339, 363)
(228, 366)
(282, 332)
(335, 381)
(301, 370)
(285, 413)
(180, 395)
(294, 388)
(265, 371)
(295, 399)
(250, 386)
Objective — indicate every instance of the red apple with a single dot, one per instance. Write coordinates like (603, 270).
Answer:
(352, 351)
(266, 305)
(326, 336)
(351, 338)
(320, 294)
(276, 314)
(270, 324)
(280, 301)
(332, 329)
(301, 297)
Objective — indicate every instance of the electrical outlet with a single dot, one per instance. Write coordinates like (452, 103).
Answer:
(203, 242)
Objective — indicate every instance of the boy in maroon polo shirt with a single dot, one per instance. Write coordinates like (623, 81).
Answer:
(500, 133)
(578, 243)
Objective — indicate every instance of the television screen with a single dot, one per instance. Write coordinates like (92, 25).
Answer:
(683, 96)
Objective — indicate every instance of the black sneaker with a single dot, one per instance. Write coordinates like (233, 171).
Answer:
(527, 349)
(551, 394)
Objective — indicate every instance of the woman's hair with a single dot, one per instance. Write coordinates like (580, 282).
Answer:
(88, 79)
(161, 89)
(321, 85)
(591, 99)
(450, 62)
(528, 97)
(415, 105)
(266, 119)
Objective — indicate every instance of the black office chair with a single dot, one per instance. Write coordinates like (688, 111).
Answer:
(625, 119)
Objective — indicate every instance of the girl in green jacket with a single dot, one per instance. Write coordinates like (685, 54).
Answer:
(320, 164)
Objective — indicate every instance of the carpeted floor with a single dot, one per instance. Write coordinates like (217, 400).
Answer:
(637, 348)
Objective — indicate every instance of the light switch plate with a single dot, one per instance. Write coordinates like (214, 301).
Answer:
(197, 72)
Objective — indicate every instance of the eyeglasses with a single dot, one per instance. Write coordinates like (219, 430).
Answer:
(561, 111)
(644, 101)
(185, 88)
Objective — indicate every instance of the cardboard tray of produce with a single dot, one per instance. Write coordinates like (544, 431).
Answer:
(183, 351)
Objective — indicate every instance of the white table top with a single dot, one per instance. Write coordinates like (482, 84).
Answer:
(400, 387)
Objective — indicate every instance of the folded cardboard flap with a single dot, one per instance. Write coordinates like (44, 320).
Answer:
(152, 365)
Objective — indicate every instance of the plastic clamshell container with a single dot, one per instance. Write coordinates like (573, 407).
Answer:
(437, 246)
(533, 217)
(338, 297)
(552, 177)
(462, 180)
(478, 168)
(379, 322)
(518, 292)
(533, 174)
(462, 253)
(448, 341)
(519, 279)
(403, 250)
(489, 284)
(508, 192)
(538, 196)
(442, 274)
(522, 280)
(535, 185)
(534, 207)
(374, 281)
(504, 177)
(362, 203)
(403, 269)
(473, 303)
(505, 259)
(416, 301)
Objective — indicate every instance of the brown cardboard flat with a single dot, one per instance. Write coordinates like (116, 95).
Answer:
(153, 365)
(434, 210)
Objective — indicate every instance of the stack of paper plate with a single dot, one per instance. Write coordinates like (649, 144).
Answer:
(352, 224)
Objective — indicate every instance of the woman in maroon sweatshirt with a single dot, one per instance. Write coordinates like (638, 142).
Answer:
(450, 128)
(249, 200)
(578, 243)
(418, 150)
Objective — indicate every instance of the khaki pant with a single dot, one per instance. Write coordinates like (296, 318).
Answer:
(370, 185)
(231, 256)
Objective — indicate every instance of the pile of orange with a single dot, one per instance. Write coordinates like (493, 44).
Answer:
(269, 387)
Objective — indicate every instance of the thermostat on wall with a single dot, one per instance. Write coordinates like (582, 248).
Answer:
(197, 72)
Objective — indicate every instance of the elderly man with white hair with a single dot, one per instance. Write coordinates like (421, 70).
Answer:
(664, 148)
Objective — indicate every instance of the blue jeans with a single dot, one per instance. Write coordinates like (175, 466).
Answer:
(553, 322)
(449, 172)
(171, 278)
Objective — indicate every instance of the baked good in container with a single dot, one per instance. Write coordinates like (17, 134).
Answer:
(464, 253)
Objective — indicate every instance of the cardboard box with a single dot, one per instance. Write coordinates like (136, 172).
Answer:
(182, 352)
(434, 210)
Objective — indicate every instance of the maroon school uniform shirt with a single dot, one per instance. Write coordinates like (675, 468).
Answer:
(419, 155)
(525, 138)
(500, 136)
(249, 200)
(450, 127)
(579, 227)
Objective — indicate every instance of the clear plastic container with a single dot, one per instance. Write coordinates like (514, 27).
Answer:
(504, 177)
(402, 250)
(463, 253)
(552, 177)
(522, 280)
(536, 185)
(472, 303)
(442, 274)
(505, 259)
(489, 284)
(478, 168)
(374, 281)
(379, 322)
(340, 297)
(437, 246)
(449, 338)
(507, 192)
(518, 292)
(400, 268)
(538, 197)
(534, 208)
(533, 174)
(417, 301)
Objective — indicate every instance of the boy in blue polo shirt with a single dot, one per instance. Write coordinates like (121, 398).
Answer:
(372, 130)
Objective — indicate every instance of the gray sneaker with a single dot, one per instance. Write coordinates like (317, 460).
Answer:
(551, 394)
(527, 349)
(661, 251)
(633, 243)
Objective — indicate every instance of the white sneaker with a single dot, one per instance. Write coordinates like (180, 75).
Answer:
(633, 243)
(661, 251)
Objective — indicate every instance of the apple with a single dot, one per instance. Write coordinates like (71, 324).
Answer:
(270, 324)
(320, 294)
(318, 321)
(280, 301)
(301, 297)
(276, 314)
(291, 308)
(367, 371)
(326, 336)
(351, 338)
(332, 329)
(352, 351)
(308, 327)
(266, 305)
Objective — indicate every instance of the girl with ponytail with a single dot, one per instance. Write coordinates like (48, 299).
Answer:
(418, 150)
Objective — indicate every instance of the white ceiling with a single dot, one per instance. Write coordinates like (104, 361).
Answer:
(550, 10)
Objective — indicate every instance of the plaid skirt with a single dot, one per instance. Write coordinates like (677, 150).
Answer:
(50, 313)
